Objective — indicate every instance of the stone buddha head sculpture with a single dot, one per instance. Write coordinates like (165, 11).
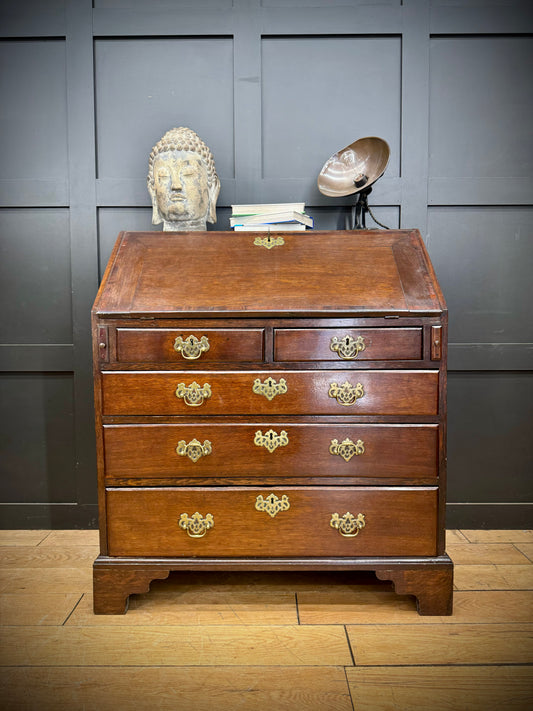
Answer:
(182, 182)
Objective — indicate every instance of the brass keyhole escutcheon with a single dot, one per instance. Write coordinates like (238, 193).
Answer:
(193, 395)
(271, 440)
(191, 348)
(269, 387)
(196, 525)
(347, 448)
(269, 242)
(272, 504)
(348, 525)
(347, 348)
(346, 394)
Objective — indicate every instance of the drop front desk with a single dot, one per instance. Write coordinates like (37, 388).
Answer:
(271, 402)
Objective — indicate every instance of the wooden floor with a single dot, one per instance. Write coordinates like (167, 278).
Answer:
(301, 641)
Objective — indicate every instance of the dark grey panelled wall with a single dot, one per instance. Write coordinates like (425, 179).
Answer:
(274, 87)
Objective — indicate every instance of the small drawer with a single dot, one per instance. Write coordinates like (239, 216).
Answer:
(167, 345)
(271, 449)
(298, 521)
(301, 344)
(281, 392)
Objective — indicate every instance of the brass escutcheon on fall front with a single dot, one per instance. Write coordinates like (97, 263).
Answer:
(194, 449)
(346, 394)
(193, 395)
(269, 241)
(270, 388)
(196, 525)
(347, 448)
(271, 440)
(191, 348)
(347, 348)
(272, 504)
(348, 525)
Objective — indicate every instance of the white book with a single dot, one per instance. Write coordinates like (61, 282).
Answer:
(273, 227)
(267, 208)
(289, 216)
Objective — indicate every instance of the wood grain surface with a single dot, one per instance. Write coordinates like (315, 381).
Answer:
(154, 275)
(399, 521)
(307, 393)
(302, 350)
(149, 451)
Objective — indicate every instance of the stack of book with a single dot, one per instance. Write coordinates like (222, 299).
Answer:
(271, 217)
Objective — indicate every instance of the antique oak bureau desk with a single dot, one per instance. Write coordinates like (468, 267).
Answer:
(271, 402)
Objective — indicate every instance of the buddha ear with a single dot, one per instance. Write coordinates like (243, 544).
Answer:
(156, 215)
(214, 190)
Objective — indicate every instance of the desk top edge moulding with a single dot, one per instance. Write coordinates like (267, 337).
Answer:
(271, 403)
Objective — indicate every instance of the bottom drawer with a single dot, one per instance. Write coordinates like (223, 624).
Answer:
(298, 521)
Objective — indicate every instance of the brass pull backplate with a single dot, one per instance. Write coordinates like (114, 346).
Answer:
(193, 395)
(272, 504)
(191, 348)
(196, 525)
(348, 525)
(271, 440)
(347, 448)
(346, 394)
(270, 388)
(347, 348)
(194, 449)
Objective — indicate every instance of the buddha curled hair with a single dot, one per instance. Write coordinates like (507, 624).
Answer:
(183, 139)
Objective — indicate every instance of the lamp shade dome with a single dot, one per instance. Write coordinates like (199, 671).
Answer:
(354, 168)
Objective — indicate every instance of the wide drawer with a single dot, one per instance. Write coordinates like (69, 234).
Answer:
(301, 344)
(339, 392)
(202, 449)
(264, 522)
(166, 345)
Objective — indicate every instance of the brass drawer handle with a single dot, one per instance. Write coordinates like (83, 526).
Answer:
(194, 449)
(272, 504)
(347, 448)
(346, 394)
(196, 525)
(348, 525)
(347, 348)
(191, 348)
(271, 440)
(270, 388)
(193, 395)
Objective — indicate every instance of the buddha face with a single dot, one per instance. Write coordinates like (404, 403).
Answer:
(180, 185)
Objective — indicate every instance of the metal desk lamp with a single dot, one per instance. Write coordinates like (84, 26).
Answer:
(353, 170)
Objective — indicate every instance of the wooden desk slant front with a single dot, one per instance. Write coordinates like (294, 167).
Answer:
(271, 403)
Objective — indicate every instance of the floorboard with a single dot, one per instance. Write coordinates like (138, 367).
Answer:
(204, 608)
(470, 606)
(493, 577)
(470, 688)
(156, 645)
(171, 688)
(398, 645)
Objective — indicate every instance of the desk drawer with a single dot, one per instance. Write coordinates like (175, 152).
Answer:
(300, 344)
(264, 522)
(270, 449)
(318, 392)
(166, 345)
